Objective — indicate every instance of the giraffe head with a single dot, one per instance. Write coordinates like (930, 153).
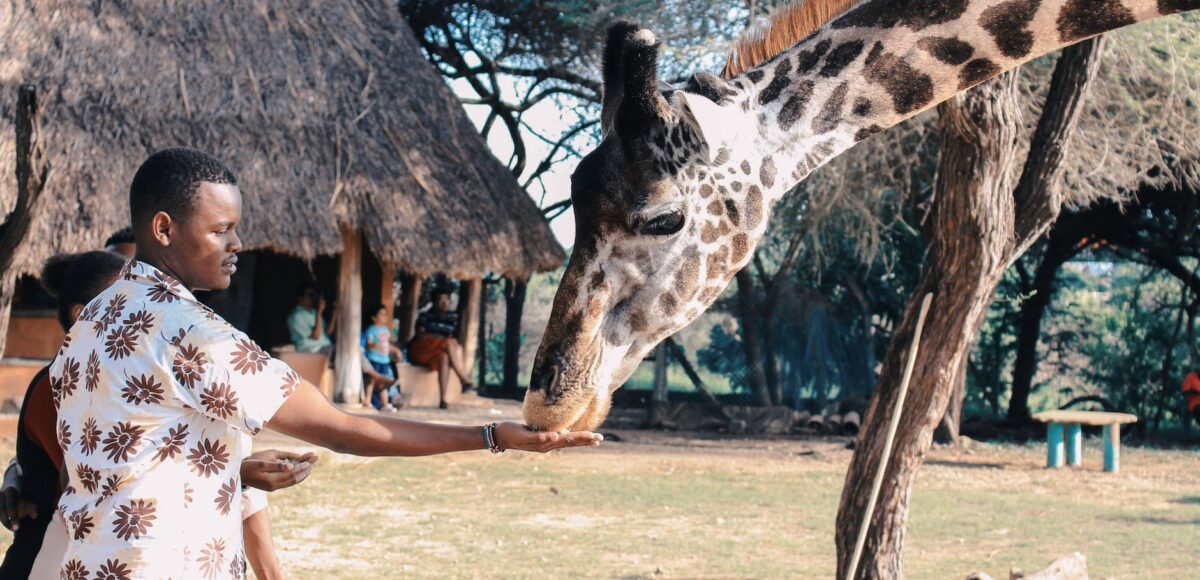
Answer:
(665, 217)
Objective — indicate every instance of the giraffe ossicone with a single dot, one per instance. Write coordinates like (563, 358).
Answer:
(671, 203)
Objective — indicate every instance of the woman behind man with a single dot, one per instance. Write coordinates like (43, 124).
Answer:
(434, 345)
(31, 490)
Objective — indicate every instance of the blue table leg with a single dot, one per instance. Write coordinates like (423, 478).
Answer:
(1074, 443)
(1054, 445)
(1112, 448)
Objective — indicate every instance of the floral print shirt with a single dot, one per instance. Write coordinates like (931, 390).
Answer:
(153, 391)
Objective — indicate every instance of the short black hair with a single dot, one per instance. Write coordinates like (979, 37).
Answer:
(167, 181)
(446, 289)
(78, 278)
(121, 236)
(304, 288)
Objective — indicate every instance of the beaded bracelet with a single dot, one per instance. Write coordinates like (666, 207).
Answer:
(489, 438)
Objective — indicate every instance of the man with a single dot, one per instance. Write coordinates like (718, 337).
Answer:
(1191, 394)
(434, 345)
(153, 389)
(306, 323)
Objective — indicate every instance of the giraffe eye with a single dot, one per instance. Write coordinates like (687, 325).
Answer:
(664, 225)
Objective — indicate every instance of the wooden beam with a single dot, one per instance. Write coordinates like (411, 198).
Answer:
(410, 304)
(348, 360)
(469, 293)
(387, 292)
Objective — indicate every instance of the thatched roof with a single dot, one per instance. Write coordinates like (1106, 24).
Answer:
(326, 110)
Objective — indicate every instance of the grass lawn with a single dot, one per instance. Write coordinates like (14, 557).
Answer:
(678, 505)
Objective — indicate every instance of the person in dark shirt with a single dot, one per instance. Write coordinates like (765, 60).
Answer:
(434, 345)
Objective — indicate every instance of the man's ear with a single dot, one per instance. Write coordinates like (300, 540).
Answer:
(75, 310)
(160, 228)
(713, 123)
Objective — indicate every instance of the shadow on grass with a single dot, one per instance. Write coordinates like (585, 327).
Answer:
(1194, 500)
(1158, 521)
(965, 464)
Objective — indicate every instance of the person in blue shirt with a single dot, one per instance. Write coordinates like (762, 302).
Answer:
(377, 345)
(306, 323)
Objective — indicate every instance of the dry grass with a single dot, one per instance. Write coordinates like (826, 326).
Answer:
(669, 505)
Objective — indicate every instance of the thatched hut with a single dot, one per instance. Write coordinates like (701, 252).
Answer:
(341, 134)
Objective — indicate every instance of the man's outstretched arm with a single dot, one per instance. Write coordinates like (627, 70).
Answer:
(307, 415)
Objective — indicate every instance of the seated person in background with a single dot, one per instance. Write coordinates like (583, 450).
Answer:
(121, 242)
(306, 323)
(434, 345)
(377, 346)
(1191, 394)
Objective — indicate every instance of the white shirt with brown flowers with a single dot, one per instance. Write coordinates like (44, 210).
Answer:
(153, 390)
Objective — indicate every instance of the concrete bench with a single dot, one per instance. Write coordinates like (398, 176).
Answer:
(1072, 423)
(419, 385)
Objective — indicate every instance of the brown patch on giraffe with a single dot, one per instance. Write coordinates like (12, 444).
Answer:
(755, 76)
(732, 209)
(766, 172)
(741, 247)
(808, 59)
(831, 113)
(687, 277)
(947, 50)
(779, 82)
(721, 189)
(690, 173)
(1084, 18)
(866, 132)
(754, 207)
(637, 320)
(706, 190)
(711, 233)
(976, 72)
(597, 280)
(668, 303)
(715, 267)
(736, 186)
(595, 308)
(745, 167)
(710, 293)
(716, 208)
(1007, 22)
(718, 176)
(862, 106)
(913, 14)
(1172, 6)
(909, 88)
(841, 57)
(793, 108)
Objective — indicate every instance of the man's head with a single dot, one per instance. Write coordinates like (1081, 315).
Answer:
(441, 298)
(308, 295)
(122, 242)
(185, 206)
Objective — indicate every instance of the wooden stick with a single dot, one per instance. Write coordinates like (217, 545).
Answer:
(887, 443)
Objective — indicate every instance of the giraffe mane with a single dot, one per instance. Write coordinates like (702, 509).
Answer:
(787, 25)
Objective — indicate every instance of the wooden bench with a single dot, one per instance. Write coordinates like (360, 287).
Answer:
(1072, 422)
(419, 385)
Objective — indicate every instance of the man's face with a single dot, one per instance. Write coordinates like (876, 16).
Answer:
(441, 302)
(204, 245)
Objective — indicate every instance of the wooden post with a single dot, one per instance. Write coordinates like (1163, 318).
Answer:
(515, 306)
(1054, 445)
(1112, 447)
(387, 293)
(658, 400)
(469, 293)
(485, 298)
(31, 170)
(1074, 444)
(410, 304)
(348, 358)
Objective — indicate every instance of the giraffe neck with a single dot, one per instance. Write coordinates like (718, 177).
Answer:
(885, 61)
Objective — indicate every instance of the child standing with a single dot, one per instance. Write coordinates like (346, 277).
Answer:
(379, 350)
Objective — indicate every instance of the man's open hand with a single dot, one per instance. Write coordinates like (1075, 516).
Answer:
(517, 436)
(272, 469)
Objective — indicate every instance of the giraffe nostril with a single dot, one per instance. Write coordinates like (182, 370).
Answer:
(547, 382)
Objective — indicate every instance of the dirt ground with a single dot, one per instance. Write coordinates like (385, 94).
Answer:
(653, 504)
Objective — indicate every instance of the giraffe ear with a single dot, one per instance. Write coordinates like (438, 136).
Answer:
(711, 122)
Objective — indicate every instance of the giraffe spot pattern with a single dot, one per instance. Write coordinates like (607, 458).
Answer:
(1172, 6)
(909, 88)
(976, 72)
(913, 14)
(831, 113)
(731, 208)
(741, 247)
(866, 132)
(809, 58)
(715, 264)
(711, 233)
(780, 81)
(947, 50)
(1007, 22)
(687, 277)
(754, 207)
(841, 57)
(766, 173)
(716, 208)
(861, 106)
(755, 76)
(793, 108)
(745, 167)
(1083, 18)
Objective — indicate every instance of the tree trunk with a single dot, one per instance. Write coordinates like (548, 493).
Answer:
(348, 359)
(748, 317)
(980, 227)
(950, 427)
(387, 289)
(410, 305)
(31, 170)
(485, 299)
(1029, 332)
(468, 320)
(514, 295)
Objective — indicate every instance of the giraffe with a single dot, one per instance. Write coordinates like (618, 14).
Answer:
(671, 203)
